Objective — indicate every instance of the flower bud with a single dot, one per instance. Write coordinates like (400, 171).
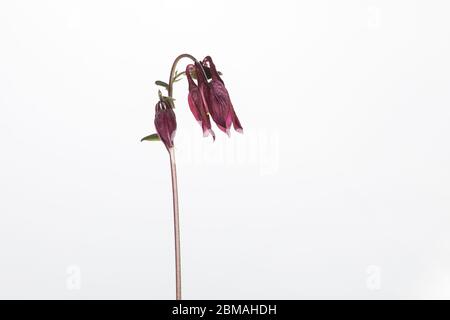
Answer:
(165, 122)
(219, 102)
(197, 104)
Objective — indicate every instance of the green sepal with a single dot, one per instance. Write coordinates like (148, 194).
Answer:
(162, 84)
(152, 137)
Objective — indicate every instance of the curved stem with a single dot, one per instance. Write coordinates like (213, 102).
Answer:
(176, 224)
(172, 71)
(174, 65)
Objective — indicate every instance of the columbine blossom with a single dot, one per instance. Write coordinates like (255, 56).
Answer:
(197, 105)
(165, 122)
(219, 102)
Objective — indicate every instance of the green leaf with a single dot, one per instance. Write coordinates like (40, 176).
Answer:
(152, 137)
(162, 84)
(178, 76)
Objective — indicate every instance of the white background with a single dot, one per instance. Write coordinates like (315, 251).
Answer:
(339, 187)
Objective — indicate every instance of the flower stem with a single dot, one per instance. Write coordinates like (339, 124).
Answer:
(172, 71)
(176, 223)
(174, 65)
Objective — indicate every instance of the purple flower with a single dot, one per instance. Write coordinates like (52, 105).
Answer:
(197, 104)
(165, 122)
(203, 85)
(218, 101)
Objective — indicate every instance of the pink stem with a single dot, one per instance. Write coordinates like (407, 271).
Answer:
(176, 223)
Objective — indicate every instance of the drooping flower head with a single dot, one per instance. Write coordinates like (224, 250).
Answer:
(197, 104)
(207, 97)
(218, 101)
(203, 84)
(165, 122)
